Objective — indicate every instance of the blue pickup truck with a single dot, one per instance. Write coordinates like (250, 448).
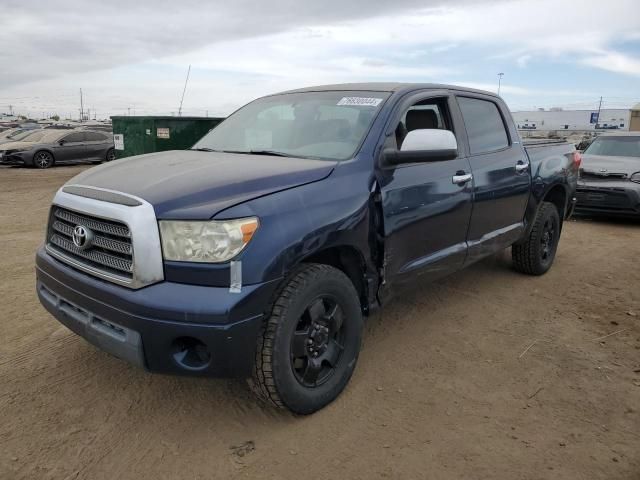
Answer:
(258, 252)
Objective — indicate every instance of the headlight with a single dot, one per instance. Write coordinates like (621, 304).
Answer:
(635, 177)
(210, 241)
(15, 150)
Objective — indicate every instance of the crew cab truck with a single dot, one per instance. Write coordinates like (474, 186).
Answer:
(258, 252)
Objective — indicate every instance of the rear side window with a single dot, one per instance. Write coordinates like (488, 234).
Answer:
(74, 137)
(94, 137)
(485, 128)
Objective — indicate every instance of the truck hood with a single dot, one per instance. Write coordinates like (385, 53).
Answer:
(612, 165)
(187, 184)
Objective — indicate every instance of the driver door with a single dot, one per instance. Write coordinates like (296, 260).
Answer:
(73, 147)
(426, 205)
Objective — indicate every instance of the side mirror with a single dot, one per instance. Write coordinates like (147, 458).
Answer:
(424, 145)
(61, 142)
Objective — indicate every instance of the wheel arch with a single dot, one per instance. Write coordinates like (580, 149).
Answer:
(557, 195)
(42, 149)
(350, 261)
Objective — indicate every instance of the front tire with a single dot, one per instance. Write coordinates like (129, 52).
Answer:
(110, 156)
(43, 159)
(309, 346)
(535, 256)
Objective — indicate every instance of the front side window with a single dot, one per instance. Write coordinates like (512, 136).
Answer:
(615, 146)
(429, 114)
(485, 127)
(319, 125)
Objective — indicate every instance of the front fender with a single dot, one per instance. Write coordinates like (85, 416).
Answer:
(296, 223)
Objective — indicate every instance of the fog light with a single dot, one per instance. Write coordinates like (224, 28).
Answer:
(190, 353)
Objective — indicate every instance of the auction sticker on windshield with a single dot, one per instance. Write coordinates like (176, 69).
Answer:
(360, 101)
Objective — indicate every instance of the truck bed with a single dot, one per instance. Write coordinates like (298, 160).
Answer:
(547, 149)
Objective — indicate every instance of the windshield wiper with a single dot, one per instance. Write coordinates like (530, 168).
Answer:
(204, 149)
(268, 152)
(245, 152)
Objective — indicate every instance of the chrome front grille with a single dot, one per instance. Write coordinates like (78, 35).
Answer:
(110, 248)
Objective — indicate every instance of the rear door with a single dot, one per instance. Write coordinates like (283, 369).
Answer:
(73, 147)
(502, 182)
(97, 144)
(425, 214)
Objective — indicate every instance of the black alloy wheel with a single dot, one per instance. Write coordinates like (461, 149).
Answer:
(42, 159)
(318, 342)
(309, 344)
(535, 254)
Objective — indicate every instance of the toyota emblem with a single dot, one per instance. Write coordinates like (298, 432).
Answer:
(82, 237)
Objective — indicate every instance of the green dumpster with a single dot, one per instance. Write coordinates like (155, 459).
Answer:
(140, 134)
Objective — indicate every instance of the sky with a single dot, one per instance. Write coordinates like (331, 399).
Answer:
(131, 57)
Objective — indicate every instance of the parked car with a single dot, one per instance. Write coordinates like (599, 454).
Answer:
(610, 176)
(6, 132)
(15, 135)
(59, 127)
(30, 125)
(44, 148)
(98, 128)
(259, 251)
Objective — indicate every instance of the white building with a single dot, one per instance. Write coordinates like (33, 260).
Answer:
(559, 119)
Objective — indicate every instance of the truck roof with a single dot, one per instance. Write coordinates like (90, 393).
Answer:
(386, 87)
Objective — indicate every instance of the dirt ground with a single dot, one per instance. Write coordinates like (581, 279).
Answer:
(487, 374)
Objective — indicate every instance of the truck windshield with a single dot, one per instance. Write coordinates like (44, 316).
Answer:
(319, 125)
(615, 146)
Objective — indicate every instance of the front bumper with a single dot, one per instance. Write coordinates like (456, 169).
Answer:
(154, 327)
(18, 158)
(608, 197)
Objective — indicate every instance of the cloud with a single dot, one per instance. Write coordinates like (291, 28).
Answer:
(47, 39)
(614, 62)
(523, 60)
(127, 54)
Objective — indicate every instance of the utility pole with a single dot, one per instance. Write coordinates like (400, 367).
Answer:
(81, 108)
(128, 111)
(183, 91)
(500, 75)
(599, 108)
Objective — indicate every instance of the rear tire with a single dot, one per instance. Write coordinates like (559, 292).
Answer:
(535, 256)
(309, 346)
(110, 156)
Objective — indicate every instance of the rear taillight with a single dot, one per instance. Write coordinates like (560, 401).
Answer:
(577, 159)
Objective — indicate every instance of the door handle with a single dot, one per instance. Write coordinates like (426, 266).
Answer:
(521, 167)
(460, 178)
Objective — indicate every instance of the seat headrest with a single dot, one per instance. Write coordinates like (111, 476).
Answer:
(419, 119)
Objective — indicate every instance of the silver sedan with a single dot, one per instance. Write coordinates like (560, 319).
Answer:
(609, 181)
